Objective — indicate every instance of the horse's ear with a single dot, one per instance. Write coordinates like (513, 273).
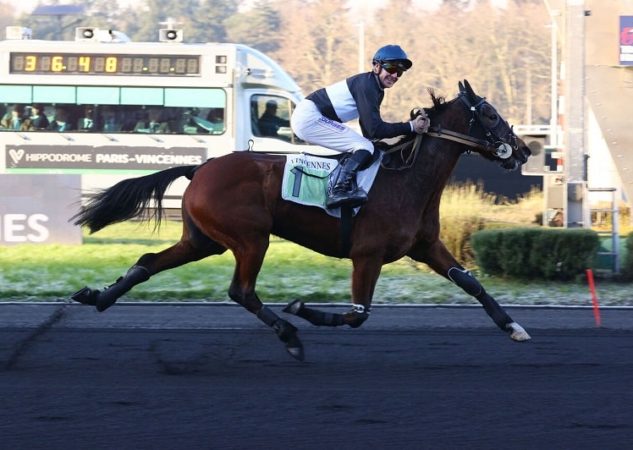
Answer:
(469, 89)
(461, 86)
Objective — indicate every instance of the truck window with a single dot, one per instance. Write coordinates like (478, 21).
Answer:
(270, 117)
(195, 111)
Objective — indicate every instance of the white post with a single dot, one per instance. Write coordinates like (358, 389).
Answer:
(553, 122)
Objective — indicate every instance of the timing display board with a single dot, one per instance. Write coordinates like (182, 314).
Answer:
(104, 64)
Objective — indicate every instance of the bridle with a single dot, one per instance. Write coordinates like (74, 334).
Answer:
(492, 143)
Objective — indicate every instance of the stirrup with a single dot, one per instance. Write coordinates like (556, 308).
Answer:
(352, 199)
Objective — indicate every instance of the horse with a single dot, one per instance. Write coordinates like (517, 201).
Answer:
(233, 202)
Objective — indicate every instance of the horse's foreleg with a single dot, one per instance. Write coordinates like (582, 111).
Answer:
(442, 262)
(465, 280)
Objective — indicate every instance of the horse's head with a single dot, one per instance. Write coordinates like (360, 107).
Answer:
(495, 136)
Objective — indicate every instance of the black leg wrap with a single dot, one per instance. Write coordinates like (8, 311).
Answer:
(286, 331)
(134, 276)
(465, 280)
(314, 316)
(495, 311)
(267, 316)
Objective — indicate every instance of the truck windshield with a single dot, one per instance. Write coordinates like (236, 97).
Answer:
(270, 117)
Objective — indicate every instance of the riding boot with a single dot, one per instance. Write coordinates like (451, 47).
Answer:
(345, 190)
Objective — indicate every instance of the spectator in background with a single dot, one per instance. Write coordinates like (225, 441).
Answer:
(39, 121)
(12, 120)
(152, 123)
(216, 115)
(27, 125)
(87, 122)
(61, 121)
(110, 120)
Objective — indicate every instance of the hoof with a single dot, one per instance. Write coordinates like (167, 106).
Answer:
(293, 307)
(86, 296)
(287, 332)
(295, 348)
(517, 333)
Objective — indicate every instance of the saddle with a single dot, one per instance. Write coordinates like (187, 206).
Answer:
(306, 177)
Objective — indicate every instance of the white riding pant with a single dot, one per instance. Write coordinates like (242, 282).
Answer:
(309, 124)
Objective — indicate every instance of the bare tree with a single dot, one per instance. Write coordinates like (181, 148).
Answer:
(504, 52)
(498, 50)
(319, 42)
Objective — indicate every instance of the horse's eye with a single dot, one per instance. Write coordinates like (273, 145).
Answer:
(494, 117)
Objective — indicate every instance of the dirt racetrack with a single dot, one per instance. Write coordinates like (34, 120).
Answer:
(213, 377)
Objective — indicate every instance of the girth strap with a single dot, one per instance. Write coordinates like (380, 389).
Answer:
(346, 230)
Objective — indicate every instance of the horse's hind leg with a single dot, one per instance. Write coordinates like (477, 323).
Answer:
(193, 246)
(441, 261)
(249, 258)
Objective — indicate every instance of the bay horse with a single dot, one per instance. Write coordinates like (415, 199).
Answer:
(234, 203)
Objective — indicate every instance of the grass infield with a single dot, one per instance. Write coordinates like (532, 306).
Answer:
(54, 272)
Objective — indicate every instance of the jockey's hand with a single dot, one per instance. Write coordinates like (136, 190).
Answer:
(421, 124)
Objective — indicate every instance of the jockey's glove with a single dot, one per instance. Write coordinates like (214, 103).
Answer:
(421, 124)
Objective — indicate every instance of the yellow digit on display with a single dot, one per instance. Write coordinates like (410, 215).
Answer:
(57, 64)
(110, 64)
(30, 64)
(84, 63)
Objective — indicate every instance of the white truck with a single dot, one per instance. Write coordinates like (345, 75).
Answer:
(101, 108)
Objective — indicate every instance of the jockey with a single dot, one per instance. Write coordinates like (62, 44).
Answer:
(319, 119)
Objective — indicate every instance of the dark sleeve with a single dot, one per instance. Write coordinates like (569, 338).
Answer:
(368, 97)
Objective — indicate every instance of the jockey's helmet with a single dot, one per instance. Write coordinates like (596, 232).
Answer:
(392, 53)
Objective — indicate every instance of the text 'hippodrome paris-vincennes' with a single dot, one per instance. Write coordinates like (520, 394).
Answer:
(114, 158)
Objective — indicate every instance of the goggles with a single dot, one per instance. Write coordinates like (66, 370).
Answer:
(393, 68)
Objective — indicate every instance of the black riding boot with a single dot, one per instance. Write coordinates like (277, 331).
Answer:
(345, 191)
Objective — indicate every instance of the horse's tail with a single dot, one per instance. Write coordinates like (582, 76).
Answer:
(130, 198)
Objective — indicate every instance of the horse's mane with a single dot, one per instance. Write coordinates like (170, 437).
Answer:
(439, 101)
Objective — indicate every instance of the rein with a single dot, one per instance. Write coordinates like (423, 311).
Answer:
(437, 132)
(465, 139)
(408, 162)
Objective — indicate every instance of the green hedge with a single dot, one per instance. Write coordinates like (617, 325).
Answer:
(535, 252)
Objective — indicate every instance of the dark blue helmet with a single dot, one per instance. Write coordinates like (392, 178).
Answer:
(392, 53)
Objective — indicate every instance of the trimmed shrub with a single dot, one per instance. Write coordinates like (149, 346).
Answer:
(486, 245)
(535, 252)
(627, 261)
